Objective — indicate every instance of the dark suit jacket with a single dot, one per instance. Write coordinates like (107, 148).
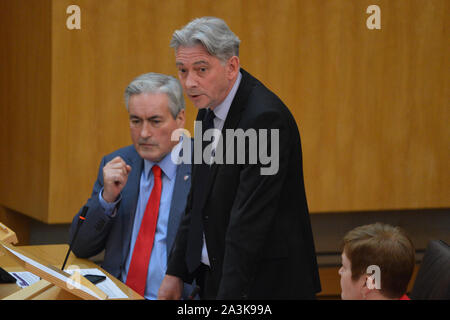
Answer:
(99, 231)
(257, 227)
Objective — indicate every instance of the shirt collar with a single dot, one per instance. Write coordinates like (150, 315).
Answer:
(166, 164)
(222, 109)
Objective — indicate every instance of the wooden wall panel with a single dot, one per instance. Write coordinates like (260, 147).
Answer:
(372, 105)
(118, 41)
(25, 55)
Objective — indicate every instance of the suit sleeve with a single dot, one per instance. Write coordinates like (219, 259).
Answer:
(94, 231)
(254, 211)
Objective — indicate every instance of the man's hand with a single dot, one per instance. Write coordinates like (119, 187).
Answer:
(115, 176)
(171, 288)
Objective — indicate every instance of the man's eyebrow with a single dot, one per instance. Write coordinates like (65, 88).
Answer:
(155, 117)
(178, 63)
(200, 62)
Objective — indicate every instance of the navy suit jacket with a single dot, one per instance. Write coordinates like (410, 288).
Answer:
(113, 234)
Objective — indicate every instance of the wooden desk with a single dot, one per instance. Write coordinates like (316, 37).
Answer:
(55, 255)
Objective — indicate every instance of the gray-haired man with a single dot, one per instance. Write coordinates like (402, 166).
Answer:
(140, 193)
(245, 234)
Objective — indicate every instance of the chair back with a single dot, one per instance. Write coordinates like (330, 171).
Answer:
(433, 279)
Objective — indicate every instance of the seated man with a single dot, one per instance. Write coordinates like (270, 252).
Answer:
(140, 193)
(377, 263)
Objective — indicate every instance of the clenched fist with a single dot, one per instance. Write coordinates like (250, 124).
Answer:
(115, 176)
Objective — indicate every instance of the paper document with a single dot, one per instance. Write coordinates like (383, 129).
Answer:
(25, 278)
(49, 271)
(107, 285)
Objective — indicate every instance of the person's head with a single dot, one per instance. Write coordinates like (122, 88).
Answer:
(207, 58)
(155, 106)
(376, 248)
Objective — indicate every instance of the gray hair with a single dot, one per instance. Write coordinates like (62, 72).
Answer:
(213, 33)
(158, 83)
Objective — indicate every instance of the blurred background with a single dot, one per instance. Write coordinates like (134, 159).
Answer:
(372, 105)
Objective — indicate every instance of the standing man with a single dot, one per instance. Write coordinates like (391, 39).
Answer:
(140, 193)
(245, 234)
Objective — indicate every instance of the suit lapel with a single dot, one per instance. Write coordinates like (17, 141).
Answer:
(130, 196)
(178, 203)
(232, 120)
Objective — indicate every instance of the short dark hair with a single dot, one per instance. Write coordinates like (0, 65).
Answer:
(385, 246)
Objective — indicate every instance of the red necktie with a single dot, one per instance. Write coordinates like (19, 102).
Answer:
(137, 272)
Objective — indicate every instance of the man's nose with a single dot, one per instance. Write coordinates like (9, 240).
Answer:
(191, 80)
(146, 130)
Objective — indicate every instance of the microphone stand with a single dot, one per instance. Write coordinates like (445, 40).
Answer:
(81, 217)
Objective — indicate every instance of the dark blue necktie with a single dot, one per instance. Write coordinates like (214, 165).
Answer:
(200, 180)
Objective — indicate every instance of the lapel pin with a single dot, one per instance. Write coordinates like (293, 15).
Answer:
(186, 177)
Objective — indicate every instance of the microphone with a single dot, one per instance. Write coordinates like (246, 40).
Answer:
(81, 219)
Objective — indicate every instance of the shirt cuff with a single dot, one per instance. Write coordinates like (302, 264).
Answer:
(108, 207)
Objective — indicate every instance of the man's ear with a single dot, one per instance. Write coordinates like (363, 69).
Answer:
(180, 119)
(368, 285)
(364, 289)
(371, 282)
(233, 67)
